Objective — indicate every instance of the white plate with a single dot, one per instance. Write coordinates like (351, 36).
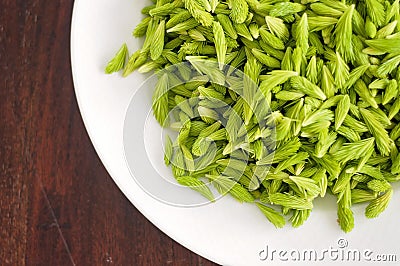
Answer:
(226, 232)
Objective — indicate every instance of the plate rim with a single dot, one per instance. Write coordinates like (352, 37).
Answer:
(191, 245)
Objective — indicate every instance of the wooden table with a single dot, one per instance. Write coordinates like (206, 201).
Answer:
(58, 205)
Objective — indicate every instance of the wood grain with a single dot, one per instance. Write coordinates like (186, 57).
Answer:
(58, 205)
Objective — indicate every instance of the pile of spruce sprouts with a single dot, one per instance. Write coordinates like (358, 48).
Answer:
(277, 102)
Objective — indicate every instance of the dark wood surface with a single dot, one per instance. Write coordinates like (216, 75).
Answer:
(58, 205)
